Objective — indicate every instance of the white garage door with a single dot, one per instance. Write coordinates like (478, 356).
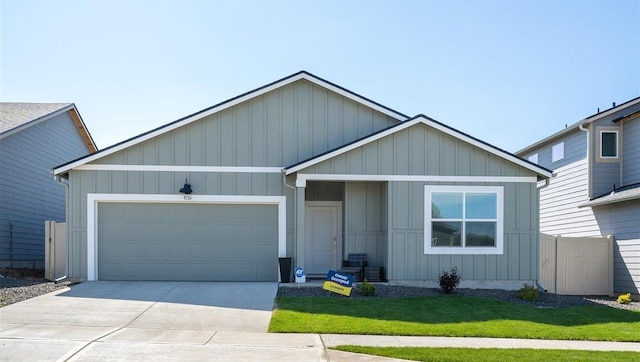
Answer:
(198, 242)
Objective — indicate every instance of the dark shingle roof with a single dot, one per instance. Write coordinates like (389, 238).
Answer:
(13, 115)
(624, 193)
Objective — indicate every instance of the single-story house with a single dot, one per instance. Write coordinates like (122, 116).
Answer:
(34, 137)
(306, 169)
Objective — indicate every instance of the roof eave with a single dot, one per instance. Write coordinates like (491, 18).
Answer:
(575, 125)
(36, 121)
(542, 172)
(227, 104)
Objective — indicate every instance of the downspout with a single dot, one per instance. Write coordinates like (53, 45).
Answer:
(58, 179)
(581, 127)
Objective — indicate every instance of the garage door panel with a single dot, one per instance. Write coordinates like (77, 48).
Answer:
(187, 242)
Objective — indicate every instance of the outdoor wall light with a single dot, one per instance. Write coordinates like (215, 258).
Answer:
(186, 189)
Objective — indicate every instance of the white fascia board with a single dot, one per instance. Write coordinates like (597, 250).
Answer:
(494, 151)
(224, 106)
(168, 168)
(352, 146)
(429, 123)
(302, 178)
(575, 125)
(94, 199)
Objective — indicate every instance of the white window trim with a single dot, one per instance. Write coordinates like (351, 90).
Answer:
(601, 143)
(94, 199)
(560, 147)
(497, 250)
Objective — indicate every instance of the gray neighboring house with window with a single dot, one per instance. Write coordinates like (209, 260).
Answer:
(596, 188)
(34, 137)
(306, 169)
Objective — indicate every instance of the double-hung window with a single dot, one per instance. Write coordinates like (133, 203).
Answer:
(463, 220)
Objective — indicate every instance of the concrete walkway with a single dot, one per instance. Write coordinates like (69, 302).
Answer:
(139, 321)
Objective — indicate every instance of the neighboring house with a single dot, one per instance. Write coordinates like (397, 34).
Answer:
(306, 169)
(34, 137)
(596, 188)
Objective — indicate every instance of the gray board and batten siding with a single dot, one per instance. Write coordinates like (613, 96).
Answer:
(28, 193)
(423, 150)
(275, 129)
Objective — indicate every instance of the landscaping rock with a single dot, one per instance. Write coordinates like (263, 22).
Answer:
(546, 300)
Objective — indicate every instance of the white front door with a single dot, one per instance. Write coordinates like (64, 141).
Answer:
(323, 249)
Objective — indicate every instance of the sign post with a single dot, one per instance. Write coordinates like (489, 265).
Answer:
(338, 283)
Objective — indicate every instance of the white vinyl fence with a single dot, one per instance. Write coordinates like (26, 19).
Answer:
(576, 266)
(55, 250)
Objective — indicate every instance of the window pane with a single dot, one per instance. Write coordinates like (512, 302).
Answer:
(481, 234)
(446, 233)
(446, 205)
(609, 144)
(557, 152)
(481, 206)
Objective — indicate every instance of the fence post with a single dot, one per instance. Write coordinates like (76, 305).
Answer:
(611, 242)
(49, 232)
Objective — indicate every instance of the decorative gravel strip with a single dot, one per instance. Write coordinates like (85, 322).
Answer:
(547, 300)
(14, 290)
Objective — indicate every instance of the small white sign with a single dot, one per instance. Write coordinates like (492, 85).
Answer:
(300, 276)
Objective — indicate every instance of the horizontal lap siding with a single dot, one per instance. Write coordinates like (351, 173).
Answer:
(631, 152)
(28, 193)
(622, 220)
(627, 266)
(559, 211)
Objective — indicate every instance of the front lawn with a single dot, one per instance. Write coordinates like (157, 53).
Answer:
(490, 354)
(452, 315)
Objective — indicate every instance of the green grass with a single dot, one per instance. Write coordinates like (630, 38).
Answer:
(490, 354)
(452, 315)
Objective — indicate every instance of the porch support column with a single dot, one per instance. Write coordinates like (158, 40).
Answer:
(300, 224)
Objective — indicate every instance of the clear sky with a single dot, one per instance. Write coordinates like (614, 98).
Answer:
(507, 72)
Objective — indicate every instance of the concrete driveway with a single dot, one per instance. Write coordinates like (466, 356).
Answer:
(151, 321)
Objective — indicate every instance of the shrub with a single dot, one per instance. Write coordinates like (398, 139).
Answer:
(367, 289)
(449, 280)
(624, 298)
(528, 293)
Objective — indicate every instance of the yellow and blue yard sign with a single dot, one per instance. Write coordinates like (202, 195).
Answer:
(338, 283)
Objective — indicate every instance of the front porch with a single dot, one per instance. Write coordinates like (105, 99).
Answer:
(335, 219)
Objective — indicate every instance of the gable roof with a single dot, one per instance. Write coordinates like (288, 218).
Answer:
(541, 171)
(591, 118)
(227, 104)
(16, 116)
